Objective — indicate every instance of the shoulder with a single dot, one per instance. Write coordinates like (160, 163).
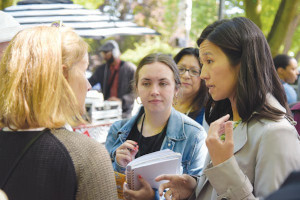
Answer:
(190, 122)
(78, 145)
(95, 177)
(116, 126)
(179, 122)
(266, 129)
(129, 65)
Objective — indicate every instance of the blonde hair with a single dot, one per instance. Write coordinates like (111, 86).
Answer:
(33, 89)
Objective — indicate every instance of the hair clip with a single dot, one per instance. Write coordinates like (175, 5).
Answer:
(57, 24)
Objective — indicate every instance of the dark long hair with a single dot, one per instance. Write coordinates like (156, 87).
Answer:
(201, 99)
(244, 43)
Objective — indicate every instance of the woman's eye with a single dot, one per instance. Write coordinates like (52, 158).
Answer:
(145, 84)
(163, 84)
(209, 61)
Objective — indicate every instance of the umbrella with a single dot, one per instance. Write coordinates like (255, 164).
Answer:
(87, 23)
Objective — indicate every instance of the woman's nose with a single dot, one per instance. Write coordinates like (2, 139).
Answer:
(203, 74)
(89, 87)
(154, 90)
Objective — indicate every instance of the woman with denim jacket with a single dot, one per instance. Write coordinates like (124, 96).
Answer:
(157, 125)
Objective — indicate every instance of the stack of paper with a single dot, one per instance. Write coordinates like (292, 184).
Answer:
(152, 165)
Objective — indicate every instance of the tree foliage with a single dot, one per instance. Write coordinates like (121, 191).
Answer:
(6, 3)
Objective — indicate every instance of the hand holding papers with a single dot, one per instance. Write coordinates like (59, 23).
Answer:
(152, 165)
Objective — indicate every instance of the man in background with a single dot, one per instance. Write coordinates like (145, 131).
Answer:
(287, 69)
(9, 27)
(115, 77)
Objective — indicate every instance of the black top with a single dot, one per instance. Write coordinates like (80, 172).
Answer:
(146, 144)
(45, 172)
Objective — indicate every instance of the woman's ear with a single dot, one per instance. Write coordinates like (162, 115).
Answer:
(65, 71)
(280, 70)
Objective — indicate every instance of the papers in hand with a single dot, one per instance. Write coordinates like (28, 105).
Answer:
(152, 165)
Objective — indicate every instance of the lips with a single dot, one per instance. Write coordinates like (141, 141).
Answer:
(210, 87)
(186, 83)
(155, 101)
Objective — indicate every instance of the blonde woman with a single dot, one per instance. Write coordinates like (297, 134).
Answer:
(43, 88)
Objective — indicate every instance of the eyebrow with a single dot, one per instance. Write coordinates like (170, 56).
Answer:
(207, 53)
(148, 79)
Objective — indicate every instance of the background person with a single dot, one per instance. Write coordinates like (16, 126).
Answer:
(115, 77)
(238, 69)
(194, 93)
(9, 27)
(43, 88)
(287, 69)
(157, 125)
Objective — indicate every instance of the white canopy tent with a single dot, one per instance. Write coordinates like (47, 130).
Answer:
(87, 23)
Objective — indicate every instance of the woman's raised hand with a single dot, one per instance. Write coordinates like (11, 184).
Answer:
(126, 152)
(179, 186)
(220, 150)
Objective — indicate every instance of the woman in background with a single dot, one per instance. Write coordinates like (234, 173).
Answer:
(43, 88)
(194, 95)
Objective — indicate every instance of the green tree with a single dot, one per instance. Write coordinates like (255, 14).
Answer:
(282, 25)
(89, 4)
(6, 3)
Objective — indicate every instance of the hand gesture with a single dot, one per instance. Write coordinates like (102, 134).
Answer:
(220, 150)
(126, 152)
(145, 192)
(180, 186)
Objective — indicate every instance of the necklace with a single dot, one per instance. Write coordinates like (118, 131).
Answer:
(142, 126)
(235, 124)
(189, 110)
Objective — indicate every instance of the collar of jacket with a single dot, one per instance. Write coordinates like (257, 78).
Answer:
(240, 136)
(175, 127)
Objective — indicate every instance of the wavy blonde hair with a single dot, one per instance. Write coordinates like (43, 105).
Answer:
(33, 90)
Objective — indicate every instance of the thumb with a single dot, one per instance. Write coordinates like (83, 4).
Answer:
(134, 152)
(143, 181)
(228, 131)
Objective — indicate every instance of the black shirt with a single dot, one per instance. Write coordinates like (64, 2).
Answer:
(146, 144)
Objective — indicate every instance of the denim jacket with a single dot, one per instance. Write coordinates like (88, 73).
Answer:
(183, 135)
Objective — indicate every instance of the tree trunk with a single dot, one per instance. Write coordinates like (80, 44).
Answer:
(297, 57)
(253, 11)
(289, 36)
(286, 12)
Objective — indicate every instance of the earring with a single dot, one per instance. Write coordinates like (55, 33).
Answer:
(138, 100)
(175, 100)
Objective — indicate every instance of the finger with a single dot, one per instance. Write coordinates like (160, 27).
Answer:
(131, 142)
(164, 177)
(228, 132)
(163, 187)
(130, 147)
(215, 127)
(223, 119)
(168, 195)
(143, 182)
(127, 145)
(128, 193)
(123, 160)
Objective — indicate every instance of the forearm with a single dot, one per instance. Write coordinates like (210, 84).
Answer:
(229, 181)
